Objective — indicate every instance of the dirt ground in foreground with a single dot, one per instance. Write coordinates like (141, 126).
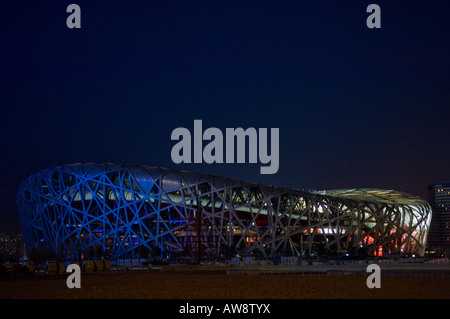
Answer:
(219, 285)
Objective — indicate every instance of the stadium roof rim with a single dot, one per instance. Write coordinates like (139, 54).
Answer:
(362, 194)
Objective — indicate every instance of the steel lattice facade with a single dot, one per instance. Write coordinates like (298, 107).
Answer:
(112, 211)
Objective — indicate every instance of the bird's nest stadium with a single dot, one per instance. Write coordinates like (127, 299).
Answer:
(114, 211)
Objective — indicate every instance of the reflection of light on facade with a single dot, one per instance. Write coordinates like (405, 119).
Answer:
(112, 210)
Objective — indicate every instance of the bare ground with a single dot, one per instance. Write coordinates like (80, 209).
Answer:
(184, 284)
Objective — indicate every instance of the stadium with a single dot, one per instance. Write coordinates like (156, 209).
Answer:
(110, 211)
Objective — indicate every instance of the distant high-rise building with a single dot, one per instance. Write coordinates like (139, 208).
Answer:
(12, 248)
(5, 244)
(439, 199)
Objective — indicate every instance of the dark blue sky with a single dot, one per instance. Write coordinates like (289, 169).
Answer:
(356, 107)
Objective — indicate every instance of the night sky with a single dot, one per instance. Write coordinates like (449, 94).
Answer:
(356, 107)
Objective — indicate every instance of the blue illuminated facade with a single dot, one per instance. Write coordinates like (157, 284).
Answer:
(113, 211)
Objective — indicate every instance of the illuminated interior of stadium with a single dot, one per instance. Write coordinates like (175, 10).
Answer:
(113, 211)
